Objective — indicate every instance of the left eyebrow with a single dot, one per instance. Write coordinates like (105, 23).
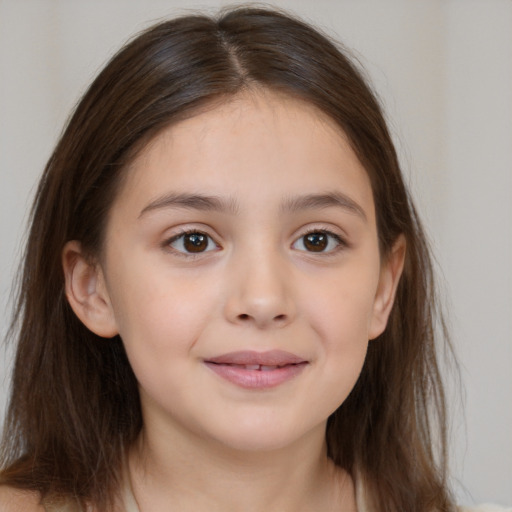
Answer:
(319, 201)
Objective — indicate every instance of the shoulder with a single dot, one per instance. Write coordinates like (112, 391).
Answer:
(485, 508)
(17, 500)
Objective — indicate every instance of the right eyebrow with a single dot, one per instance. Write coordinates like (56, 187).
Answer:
(191, 202)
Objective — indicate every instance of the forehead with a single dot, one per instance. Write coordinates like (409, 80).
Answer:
(257, 141)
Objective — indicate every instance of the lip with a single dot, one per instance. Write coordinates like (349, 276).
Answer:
(257, 370)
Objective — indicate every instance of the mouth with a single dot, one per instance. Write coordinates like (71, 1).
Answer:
(258, 367)
(257, 370)
(270, 358)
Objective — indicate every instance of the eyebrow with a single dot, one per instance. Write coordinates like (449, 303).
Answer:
(319, 201)
(192, 202)
(290, 205)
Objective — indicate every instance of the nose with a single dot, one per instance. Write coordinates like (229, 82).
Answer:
(260, 292)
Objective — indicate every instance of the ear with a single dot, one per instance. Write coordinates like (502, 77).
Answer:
(86, 291)
(390, 273)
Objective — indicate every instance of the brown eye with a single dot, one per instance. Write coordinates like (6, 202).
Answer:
(193, 242)
(316, 242)
(319, 241)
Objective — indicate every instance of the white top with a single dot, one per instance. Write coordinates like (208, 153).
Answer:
(131, 505)
(485, 508)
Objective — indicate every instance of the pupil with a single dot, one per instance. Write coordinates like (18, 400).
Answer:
(316, 242)
(195, 242)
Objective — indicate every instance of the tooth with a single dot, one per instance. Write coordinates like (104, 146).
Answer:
(268, 368)
(252, 366)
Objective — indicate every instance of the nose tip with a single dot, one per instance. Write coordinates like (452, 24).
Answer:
(260, 295)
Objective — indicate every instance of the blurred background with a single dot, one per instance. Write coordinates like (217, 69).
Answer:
(443, 70)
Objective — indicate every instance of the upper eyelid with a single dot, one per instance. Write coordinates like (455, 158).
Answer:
(340, 239)
(167, 244)
(188, 231)
(298, 233)
(337, 233)
(185, 232)
(320, 230)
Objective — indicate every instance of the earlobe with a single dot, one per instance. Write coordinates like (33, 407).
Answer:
(390, 274)
(86, 291)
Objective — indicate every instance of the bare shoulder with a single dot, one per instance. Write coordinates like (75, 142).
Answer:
(17, 500)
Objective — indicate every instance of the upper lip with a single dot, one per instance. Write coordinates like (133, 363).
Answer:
(250, 357)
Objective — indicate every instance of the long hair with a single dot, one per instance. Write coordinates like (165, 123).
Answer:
(74, 406)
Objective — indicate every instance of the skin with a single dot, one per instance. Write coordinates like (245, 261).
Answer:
(209, 444)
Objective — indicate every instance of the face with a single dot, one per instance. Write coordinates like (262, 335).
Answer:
(242, 271)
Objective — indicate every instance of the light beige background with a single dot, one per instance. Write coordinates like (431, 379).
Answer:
(443, 69)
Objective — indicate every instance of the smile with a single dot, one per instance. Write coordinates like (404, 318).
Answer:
(260, 367)
(257, 370)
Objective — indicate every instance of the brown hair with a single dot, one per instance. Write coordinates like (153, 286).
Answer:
(74, 404)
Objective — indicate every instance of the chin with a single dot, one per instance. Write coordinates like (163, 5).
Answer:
(263, 438)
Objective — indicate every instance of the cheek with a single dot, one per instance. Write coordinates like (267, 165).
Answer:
(161, 323)
(339, 311)
(344, 334)
(340, 306)
(159, 313)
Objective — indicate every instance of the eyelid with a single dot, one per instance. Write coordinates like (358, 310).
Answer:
(167, 244)
(341, 241)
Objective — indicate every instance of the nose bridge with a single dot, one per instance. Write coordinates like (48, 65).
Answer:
(260, 291)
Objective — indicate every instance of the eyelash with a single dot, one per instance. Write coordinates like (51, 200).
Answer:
(340, 242)
(182, 234)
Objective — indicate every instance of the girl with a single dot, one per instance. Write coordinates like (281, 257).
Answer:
(227, 299)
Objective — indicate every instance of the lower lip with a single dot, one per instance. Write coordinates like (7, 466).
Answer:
(256, 379)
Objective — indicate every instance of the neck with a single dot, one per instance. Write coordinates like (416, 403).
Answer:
(202, 476)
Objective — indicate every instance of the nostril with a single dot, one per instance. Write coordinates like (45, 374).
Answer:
(278, 318)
